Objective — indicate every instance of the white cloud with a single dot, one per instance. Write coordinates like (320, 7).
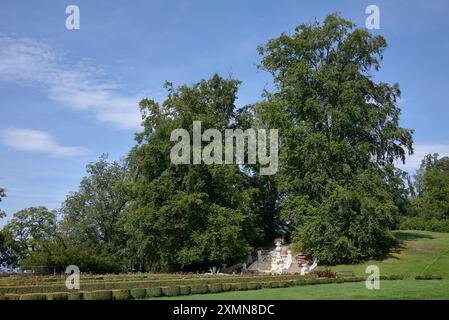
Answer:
(37, 141)
(30, 62)
(413, 162)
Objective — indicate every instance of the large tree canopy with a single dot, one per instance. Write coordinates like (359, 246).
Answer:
(187, 215)
(339, 130)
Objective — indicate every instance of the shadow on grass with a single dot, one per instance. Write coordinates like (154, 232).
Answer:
(407, 235)
(402, 236)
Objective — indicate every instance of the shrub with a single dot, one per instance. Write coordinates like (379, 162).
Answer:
(57, 296)
(184, 290)
(421, 223)
(199, 289)
(170, 291)
(253, 285)
(227, 286)
(274, 284)
(215, 287)
(138, 293)
(33, 296)
(428, 277)
(98, 295)
(75, 295)
(154, 292)
(12, 296)
(121, 294)
(325, 274)
(392, 277)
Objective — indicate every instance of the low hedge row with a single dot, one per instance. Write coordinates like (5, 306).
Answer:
(148, 283)
(428, 277)
(171, 291)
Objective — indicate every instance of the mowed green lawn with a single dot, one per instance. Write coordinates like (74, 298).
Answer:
(419, 253)
(397, 289)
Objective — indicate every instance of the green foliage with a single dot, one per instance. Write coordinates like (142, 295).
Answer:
(28, 231)
(184, 290)
(186, 216)
(154, 292)
(138, 293)
(12, 296)
(215, 287)
(423, 223)
(98, 295)
(432, 184)
(339, 135)
(75, 295)
(33, 296)
(428, 277)
(57, 296)
(170, 291)
(199, 288)
(121, 294)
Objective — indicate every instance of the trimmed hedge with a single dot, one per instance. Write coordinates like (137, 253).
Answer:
(154, 292)
(170, 291)
(33, 296)
(121, 294)
(214, 288)
(107, 285)
(428, 277)
(57, 296)
(75, 295)
(12, 296)
(184, 290)
(199, 289)
(138, 293)
(254, 285)
(98, 295)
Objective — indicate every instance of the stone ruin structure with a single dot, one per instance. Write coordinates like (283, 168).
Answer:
(281, 261)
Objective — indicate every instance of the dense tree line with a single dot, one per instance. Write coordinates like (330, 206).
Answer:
(337, 194)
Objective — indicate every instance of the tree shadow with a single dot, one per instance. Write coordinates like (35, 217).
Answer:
(407, 235)
(401, 236)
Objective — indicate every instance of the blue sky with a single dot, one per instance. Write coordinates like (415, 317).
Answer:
(67, 96)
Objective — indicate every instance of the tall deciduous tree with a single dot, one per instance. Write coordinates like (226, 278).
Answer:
(338, 130)
(187, 216)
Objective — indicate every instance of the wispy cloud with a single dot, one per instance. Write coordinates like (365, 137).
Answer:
(413, 162)
(37, 141)
(30, 62)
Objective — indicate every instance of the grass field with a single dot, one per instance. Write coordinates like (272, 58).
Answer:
(419, 253)
(390, 290)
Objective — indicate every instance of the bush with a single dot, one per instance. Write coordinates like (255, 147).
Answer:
(12, 296)
(154, 292)
(98, 295)
(253, 285)
(138, 293)
(392, 277)
(274, 284)
(325, 274)
(428, 277)
(419, 223)
(121, 294)
(33, 296)
(57, 296)
(184, 290)
(75, 295)
(171, 291)
(199, 289)
(215, 287)
(227, 286)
